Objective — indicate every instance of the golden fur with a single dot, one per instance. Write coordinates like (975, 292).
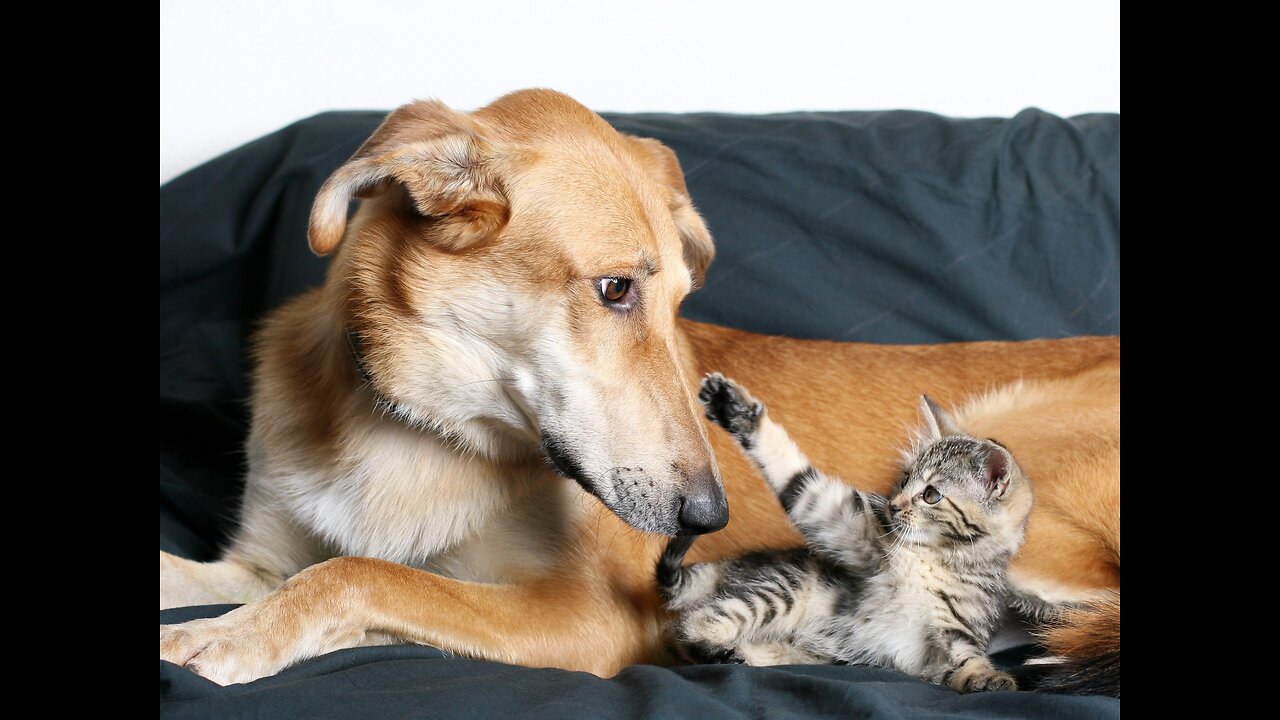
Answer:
(467, 279)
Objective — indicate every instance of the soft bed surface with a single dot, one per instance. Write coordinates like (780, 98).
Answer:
(875, 227)
(409, 681)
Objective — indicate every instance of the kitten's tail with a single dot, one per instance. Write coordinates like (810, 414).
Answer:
(1084, 651)
(670, 566)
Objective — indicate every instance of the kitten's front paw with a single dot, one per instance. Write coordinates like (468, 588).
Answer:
(730, 406)
(980, 677)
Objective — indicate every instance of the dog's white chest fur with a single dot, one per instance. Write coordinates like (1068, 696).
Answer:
(407, 496)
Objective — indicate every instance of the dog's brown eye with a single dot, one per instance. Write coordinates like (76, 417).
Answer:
(614, 289)
(931, 495)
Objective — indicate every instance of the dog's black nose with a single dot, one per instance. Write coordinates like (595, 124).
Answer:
(703, 507)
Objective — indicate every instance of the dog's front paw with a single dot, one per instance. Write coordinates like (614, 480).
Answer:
(730, 406)
(981, 677)
(230, 649)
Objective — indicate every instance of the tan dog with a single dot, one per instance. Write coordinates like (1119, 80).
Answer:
(508, 293)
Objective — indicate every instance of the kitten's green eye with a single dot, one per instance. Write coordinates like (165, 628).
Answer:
(931, 495)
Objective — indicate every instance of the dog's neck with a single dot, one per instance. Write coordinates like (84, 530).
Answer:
(389, 410)
(357, 357)
(381, 400)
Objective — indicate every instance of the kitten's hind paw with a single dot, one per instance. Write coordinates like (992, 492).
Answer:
(730, 406)
(700, 653)
(981, 679)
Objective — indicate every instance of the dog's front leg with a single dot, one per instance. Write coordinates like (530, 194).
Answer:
(187, 582)
(561, 622)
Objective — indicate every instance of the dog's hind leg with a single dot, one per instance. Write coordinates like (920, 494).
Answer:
(187, 582)
(553, 622)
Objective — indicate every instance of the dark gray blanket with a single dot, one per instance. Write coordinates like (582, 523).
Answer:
(408, 681)
(881, 227)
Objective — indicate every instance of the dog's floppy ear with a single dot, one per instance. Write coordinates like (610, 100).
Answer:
(439, 157)
(662, 163)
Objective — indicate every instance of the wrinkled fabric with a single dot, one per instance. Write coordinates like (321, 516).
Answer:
(411, 681)
(890, 227)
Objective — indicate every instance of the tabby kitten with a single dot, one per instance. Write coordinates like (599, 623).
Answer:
(914, 582)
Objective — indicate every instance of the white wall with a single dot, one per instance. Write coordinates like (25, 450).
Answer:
(235, 69)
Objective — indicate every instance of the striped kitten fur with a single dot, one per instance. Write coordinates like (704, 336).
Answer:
(914, 582)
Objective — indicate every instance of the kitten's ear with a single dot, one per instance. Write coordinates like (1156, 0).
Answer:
(995, 473)
(938, 422)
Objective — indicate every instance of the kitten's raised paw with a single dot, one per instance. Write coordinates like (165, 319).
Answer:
(730, 406)
(981, 678)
